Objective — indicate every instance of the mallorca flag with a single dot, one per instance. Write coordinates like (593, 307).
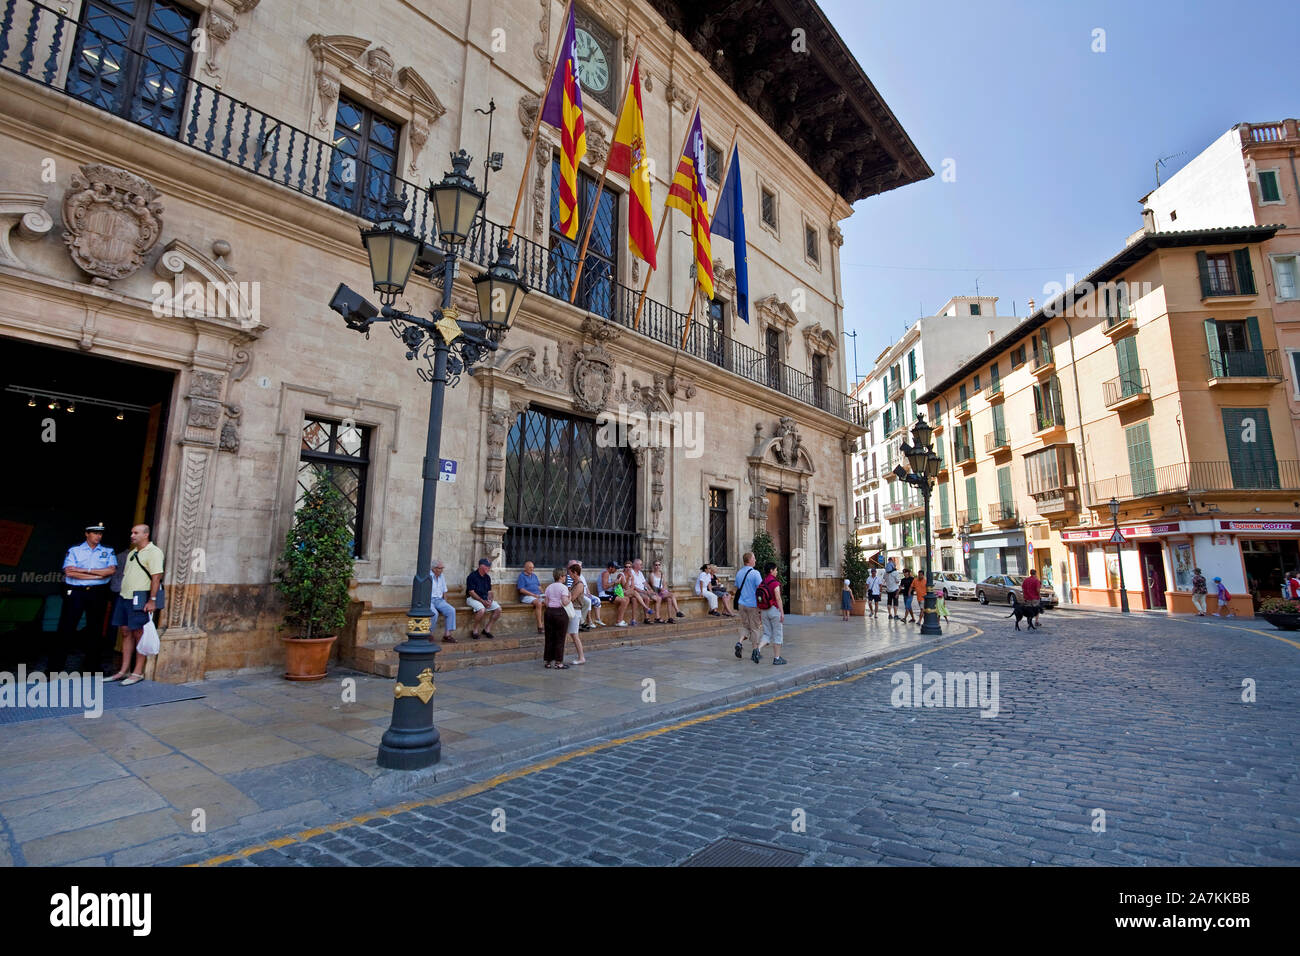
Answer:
(628, 156)
(563, 110)
(691, 196)
(729, 222)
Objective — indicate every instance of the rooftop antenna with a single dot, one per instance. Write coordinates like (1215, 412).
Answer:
(1163, 161)
(977, 287)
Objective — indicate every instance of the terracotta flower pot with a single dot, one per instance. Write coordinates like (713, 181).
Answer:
(858, 608)
(307, 658)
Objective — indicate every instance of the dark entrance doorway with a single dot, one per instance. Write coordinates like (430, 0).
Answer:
(778, 526)
(86, 445)
(1268, 561)
(1153, 573)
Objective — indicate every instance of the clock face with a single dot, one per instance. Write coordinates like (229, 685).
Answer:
(593, 67)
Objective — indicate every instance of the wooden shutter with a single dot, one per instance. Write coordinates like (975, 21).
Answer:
(999, 422)
(1268, 191)
(1203, 267)
(1212, 341)
(1245, 273)
(1251, 457)
(1142, 474)
(943, 505)
(972, 501)
(1252, 334)
(1130, 379)
(1004, 489)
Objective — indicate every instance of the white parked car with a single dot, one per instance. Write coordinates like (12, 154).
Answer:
(954, 585)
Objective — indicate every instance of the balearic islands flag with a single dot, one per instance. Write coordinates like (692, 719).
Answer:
(563, 110)
(628, 156)
(691, 196)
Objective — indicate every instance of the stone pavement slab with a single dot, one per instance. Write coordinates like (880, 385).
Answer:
(258, 754)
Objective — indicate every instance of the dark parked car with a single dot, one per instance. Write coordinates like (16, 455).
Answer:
(1006, 589)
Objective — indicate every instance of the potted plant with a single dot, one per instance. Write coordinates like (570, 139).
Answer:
(1283, 615)
(856, 569)
(764, 549)
(314, 573)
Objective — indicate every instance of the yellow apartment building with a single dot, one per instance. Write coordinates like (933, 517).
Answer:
(1155, 381)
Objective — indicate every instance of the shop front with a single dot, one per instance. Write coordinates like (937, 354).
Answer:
(1269, 551)
(997, 553)
(1150, 575)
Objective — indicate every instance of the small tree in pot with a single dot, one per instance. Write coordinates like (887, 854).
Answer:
(314, 573)
(856, 569)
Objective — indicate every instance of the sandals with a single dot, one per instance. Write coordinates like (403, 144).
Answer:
(133, 679)
(109, 680)
(658, 621)
(559, 667)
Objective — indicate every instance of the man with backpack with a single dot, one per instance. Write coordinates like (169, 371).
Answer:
(893, 582)
(768, 598)
(751, 624)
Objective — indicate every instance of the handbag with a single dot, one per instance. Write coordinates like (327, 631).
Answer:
(159, 601)
(149, 644)
(572, 611)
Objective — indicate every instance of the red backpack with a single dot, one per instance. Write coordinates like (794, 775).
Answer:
(764, 596)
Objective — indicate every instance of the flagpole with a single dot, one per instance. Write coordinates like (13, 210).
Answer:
(695, 287)
(731, 151)
(636, 320)
(600, 187)
(537, 124)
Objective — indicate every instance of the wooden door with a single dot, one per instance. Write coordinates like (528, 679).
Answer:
(778, 526)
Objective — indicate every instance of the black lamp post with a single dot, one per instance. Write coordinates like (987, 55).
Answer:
(924, 465)
(1119, 555)
(449, 346)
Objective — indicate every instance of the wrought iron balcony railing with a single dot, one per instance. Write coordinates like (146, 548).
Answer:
(995, 440)
(1003, 512)
(1248, 363)
(1200, 476)
(1043, 357)
(1046, 418)
(35, 42)
(1129, 385)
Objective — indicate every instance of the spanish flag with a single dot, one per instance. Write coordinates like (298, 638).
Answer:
(690, 194)
(628, 156)
(563, 110)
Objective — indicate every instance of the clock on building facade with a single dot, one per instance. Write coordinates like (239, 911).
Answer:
(598, 61)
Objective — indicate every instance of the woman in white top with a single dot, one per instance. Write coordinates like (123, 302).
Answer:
(703, 590)
(660, 587)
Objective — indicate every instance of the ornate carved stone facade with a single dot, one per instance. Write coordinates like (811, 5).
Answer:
(112, 219)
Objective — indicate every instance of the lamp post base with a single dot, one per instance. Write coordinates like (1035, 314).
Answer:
(930, 619)
(411, 741)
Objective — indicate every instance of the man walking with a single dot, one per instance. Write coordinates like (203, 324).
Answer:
(1199, 590)
(751, 621)
(441, 607)
(87, 569)
(873, 591)
(138, 600)
(893, 582)
(478, 595)
(1032, 589)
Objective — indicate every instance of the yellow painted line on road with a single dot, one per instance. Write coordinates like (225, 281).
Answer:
(1234, 627)
(496, 781)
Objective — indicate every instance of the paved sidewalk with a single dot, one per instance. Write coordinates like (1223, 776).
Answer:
(259, 755)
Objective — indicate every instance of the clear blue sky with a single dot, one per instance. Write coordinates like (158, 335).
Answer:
(1053, 144)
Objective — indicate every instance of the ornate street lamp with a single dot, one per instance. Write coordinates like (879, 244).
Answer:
(1119, 554)
(449, 346)
(924, 464)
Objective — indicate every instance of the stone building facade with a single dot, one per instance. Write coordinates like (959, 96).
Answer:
(174, 222)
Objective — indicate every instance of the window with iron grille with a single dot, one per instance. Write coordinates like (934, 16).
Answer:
(364, 159)
(811, 247)
(772, 341)
(340, 453)
(566, 495)
(715, 346)
(596, 289)
(824, 535)
(713, 162)
(718, 527)
(769, 208)
(133, 59)
(819, 380)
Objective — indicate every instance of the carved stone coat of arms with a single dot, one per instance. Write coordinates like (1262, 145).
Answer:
(113, 218)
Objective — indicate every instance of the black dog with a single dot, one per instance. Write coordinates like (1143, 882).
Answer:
(1029, 612)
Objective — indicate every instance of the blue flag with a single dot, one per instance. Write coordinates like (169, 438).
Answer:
(729, 222)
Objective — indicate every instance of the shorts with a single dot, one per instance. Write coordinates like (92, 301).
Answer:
(907, 601)
(892, 599)
(751, 623)
(476, 605)
(773, 626)
(873, 597)
(125, 615)
(527, 598)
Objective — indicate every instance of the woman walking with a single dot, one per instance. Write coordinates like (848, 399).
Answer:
(555, 621)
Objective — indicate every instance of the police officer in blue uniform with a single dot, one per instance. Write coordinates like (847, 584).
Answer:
(87, 570)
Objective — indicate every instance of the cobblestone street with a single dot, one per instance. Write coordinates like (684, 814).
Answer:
(1115, 741)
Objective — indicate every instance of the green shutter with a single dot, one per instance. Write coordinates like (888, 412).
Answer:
(1142, 472)
(1245, 273)
(1203, 267)
(914, 406)
(1252, 334)
(1004, 488)
(972, 501)
(1268, 191)
(994, 375)
(1250, 448)
(999, 423)
(1212, 340)
(943, 505)
(961, 394)
(1130, 379)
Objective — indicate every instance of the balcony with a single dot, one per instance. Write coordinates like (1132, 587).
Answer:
(1117, 325)
(943, 523)
(997, 442)
(993, 392)
(1247, 367)
(898, 510)
(1271, 134)
(869, 525)
(1003, 513)
(964, 454)
(894, 388)
(963, 410)
(970, 520)
(1131, 388)
(1060, 501)
(1197, 477)
(1043, 360)
(34, 42)
(1047, 423)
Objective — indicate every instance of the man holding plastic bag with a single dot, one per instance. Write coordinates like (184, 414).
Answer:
(141, 596)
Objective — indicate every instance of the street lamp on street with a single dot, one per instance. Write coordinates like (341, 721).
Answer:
(449, 346)
(1119, 554)
(924, 465)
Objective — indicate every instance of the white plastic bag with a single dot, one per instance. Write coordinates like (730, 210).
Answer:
(149, 645)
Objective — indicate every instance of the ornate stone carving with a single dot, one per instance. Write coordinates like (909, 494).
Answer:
(542, 48)
(818, 339)
(204, 414)
(182, 593)
(801, 512)
(597, 143)
(836, 236)
(528, 104)
(328, 91)
(523, 362)
(542, 155)
(592, 378)
(342, 60)
(205, 385)
(657, 397)
(113, 218)
(27, 212)
(773, 312)
(724, 280)
(658, 458)
(677, 95)
(219, 28)
(419, 135)
(788, 443)
(499, 422)
(379, 62)
(600, 329)
(230, 429)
